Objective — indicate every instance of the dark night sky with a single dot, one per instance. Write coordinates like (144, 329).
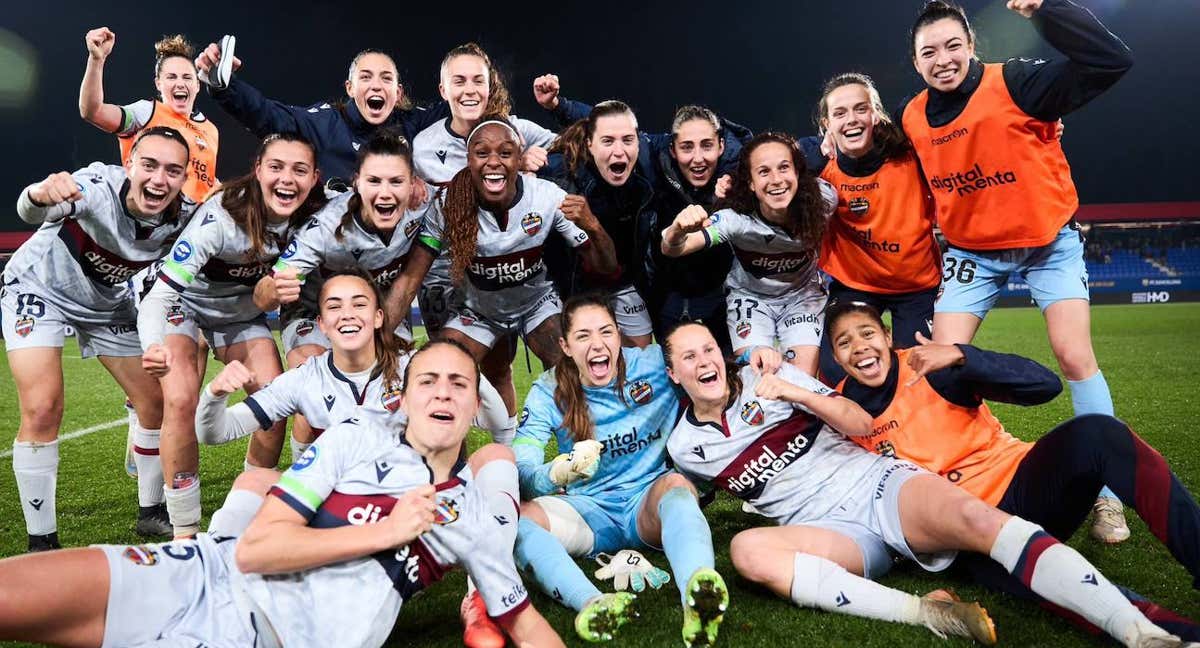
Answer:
(759, 63)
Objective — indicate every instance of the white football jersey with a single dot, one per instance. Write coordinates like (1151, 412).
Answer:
(778, 456)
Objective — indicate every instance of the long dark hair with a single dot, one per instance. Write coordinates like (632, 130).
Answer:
(806, 212)
(388, 346)
(171, 213)
(572, 141)
(384, 142)
(499, 101)
(890, 140)
(461, 210)
(933, 11)
(732, 378)
(242, 197)
(568, 388)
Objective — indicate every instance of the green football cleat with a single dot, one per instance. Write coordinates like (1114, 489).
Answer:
(706, 601)
(603, 615)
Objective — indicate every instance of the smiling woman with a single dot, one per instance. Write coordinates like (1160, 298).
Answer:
(176, 85)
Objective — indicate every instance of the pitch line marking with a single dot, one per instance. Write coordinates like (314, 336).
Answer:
(99, 427)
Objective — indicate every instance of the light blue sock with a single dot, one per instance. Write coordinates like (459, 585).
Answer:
(685, 536)
(1091, 395)
(555, 572)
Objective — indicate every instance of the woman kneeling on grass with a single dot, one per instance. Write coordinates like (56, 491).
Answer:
(765, 440)
(304, 564)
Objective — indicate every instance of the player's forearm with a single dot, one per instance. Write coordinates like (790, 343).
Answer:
(36, 214)
(152, 314)
(843, 414)
(532, 471)
(265, 297)
(91, 99)
(217, 424)
(599, 255)
(283, 547)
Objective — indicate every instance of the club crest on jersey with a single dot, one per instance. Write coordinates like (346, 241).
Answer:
(306, 459)
(304, 327)
(752, 413)
(743, 329)
(141, 555)
(859, 206)
(24, 326)
(391, 398)
(641, 392)
(466, 320)
(531, 223)
(175, 315)
(446, 511)
(411, 228)
(182, 251)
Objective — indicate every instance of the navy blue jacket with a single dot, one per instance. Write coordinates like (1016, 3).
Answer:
(337, 130)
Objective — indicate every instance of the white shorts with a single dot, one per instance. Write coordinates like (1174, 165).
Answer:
(485, 331)
(181, 322)
(302, 331)
(793, 320)
(633, 317)
(30, 322)
(437, 302)
(870, 516)
(182, 591)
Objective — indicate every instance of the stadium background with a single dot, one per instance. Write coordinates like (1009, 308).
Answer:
(759, 63)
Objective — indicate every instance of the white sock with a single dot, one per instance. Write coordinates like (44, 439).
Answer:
(826, 585)
(1060, 575)
(36, 467)
(149, 465)
(236, 513)
(298, 448)
(183, 505)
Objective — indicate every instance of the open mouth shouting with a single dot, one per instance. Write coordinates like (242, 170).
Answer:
(442, 416)
(869, 368)
(495, 182)
(853, 135)
(386, 214)
(284, 200)
(946, 76)
(154, 199)
(699, 173)
(599, 367)
(619, 170)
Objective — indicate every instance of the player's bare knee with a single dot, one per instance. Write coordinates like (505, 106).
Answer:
(745, 551)
(978, 520)
(1077, 360)
(41, 420)
(671, 481)
(257, 481)
(534, 513)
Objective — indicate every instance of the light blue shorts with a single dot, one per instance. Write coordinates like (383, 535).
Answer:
(613, 519)
(971, 281)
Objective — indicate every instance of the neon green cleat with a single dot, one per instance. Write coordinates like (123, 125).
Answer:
(603, 615)
(706, 601)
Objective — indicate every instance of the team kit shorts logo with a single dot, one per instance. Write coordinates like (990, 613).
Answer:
(446, 511)
(752, 413)
(743, 329)
(182, 251)
(175, 315)
(24, 326)
(641, 392)
(531, 223)
(141, 555)
(859, 206)
(391, 398)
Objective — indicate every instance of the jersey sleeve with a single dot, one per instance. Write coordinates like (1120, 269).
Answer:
(92, 186)
(306, 251)
(134, 117)
(538, 421)
(280, 398)
(801, 379)
(571, 233)
(724, 227)
(310, 480)
(201, 240)
(534, 134)
(433, 228)
(829, 195)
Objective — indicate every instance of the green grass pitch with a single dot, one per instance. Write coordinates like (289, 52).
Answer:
(1147, 353)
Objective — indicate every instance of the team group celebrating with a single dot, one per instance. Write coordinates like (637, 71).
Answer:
(707, 303)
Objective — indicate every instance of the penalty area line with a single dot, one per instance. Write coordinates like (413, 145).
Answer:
(99, 427)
